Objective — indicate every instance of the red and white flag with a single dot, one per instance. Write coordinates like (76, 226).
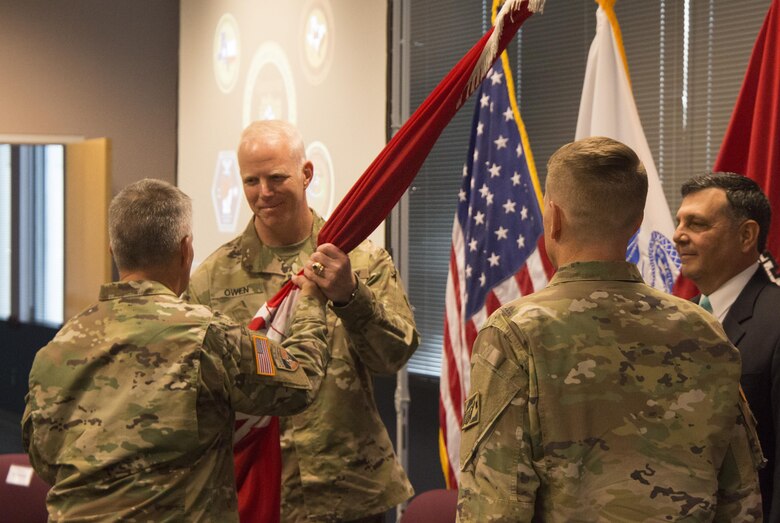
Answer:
(257, 457)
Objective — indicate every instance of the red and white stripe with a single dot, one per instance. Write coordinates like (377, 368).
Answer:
(459, 335)
(277, 317)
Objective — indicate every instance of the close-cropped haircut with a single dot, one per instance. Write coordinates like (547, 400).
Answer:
(601, 183)
(746, 199)
(146, 223)
(275, 131)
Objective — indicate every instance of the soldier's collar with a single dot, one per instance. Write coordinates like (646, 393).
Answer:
(597, 270)
(258, 258)
(123, 289)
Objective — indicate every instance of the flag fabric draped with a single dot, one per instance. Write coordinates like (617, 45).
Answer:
(494, 257)
(369, 202)
(607, 108)
(751, 145)
(257, 457)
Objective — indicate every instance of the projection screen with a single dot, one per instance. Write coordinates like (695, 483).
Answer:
(320, 64)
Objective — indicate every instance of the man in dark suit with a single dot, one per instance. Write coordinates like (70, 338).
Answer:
(723, 223)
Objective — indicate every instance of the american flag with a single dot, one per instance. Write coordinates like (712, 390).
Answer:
(265, 365)
(494, 256)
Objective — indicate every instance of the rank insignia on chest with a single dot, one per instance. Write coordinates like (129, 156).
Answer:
(284, 360)
(265, 364)
(471, 411)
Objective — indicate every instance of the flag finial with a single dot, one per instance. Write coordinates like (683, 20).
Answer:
(490, 51)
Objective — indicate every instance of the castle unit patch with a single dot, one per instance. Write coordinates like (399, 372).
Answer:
(284, 360)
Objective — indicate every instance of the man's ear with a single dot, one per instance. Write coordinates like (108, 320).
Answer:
(748, 236)
(186, 251)
(308, 173)
(638, 223)
(556, 220)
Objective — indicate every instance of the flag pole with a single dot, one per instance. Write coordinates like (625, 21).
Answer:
(401, 13)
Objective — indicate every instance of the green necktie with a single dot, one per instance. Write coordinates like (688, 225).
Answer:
(705, 304)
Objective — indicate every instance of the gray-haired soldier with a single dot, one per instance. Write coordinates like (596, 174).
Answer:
(600, 398)
(131, 407)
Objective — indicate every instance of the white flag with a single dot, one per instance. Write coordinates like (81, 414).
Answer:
(607, 108)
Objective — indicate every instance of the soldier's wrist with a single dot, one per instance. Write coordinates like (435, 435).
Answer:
(351, 296)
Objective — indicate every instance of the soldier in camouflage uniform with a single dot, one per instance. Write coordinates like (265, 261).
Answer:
(338, 462)
(131, 407)
(600, 398)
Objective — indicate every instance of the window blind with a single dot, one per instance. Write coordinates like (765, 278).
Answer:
(686, 59)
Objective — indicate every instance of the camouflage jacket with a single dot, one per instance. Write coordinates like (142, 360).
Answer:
(130, 410)
(600, 398)
(338, 460)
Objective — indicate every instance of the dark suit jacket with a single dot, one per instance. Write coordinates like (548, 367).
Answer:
(753, 325)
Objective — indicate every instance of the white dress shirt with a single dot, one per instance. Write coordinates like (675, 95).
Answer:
(723, 298)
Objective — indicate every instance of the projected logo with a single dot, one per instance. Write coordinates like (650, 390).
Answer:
(321, 190)
(226, 191)
(270, 92)
(226, 53)
(317, 37)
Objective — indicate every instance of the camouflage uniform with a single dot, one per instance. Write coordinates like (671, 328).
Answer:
(338, 462)
(602, 399)
(130, 411)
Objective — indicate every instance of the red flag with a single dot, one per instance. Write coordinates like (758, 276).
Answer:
(258, 463)
(684, 288)
(381, 186)
(751, 146)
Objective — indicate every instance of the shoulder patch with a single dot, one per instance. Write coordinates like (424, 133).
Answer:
(265, 364)
(284, 360)
(471, 411)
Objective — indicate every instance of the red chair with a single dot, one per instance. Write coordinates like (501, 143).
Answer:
(433, 506)
(22, 492)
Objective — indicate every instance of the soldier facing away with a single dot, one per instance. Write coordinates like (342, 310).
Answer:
(600, 398)
(131, 406)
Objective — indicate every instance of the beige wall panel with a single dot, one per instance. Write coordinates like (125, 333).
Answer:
(87, 195)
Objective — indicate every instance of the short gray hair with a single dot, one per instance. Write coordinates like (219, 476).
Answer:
(276, 130)
(146, 223)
